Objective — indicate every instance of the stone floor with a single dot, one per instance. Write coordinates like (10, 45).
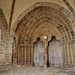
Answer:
(37, 71)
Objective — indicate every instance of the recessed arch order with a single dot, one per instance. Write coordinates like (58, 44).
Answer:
(45, 12)
(45, 18)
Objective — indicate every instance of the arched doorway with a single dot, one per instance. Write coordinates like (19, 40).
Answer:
(39, 53)
(46, 19)
(55, 53)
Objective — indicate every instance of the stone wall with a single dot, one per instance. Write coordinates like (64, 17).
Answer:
(1, 53)
(5, 55)
(5, 48)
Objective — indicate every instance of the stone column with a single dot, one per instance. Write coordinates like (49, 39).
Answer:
(69, 54)
(64, 54)
(32, 56)
(46, 51)
(2, 53)
(15, 51)
(74, 54)
(72, 49)
(46, 57)
(10, 52)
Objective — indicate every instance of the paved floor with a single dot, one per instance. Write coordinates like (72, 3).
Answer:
(37, 71)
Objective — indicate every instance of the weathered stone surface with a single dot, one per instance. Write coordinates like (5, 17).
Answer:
(39, 20)
(38, 71)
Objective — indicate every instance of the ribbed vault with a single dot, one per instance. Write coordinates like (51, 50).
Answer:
(4, 24)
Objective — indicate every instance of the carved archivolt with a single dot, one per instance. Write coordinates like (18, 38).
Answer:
(50, 20)
(45, 18)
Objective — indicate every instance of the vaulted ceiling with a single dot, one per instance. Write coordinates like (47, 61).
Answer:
(45, 19)
(21, 5)
(34, 18)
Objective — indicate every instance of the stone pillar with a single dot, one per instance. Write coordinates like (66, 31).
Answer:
(46, 51)
(68, 54)
(64, 54)
(32, 56)
(15, 53)
(74, 53)
(46, 56)
(2, 53)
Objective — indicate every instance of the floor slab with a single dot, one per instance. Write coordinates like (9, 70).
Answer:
(38, 71)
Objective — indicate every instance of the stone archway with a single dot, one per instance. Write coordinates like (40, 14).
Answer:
(45, 19)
